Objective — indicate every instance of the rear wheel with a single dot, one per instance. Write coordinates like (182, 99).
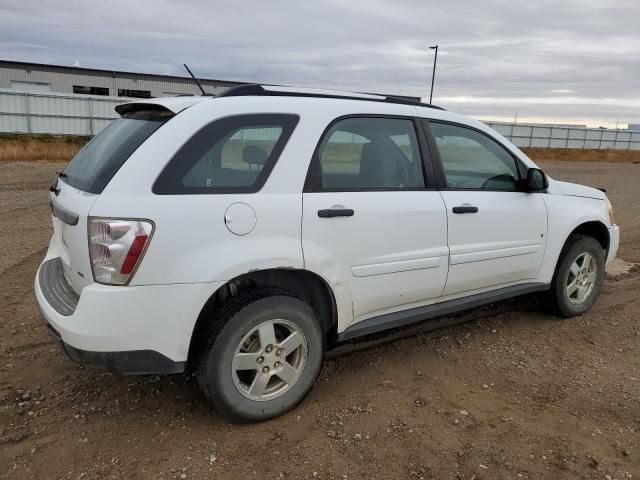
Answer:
(578, 278)
(264, 358)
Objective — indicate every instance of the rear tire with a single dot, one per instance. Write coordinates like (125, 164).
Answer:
(262, 355)
(578, 278)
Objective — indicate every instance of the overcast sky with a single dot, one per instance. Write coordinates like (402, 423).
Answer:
(561, 60)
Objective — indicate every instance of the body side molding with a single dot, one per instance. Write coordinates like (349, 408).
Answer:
(427, 312)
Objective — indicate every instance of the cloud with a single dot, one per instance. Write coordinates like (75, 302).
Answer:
(515, 52)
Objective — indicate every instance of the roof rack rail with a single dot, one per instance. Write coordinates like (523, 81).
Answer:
(254, 89)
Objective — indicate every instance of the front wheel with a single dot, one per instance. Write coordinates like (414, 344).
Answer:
(264, 359)
(578, 278)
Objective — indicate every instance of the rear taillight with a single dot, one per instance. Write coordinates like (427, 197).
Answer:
(116, 247)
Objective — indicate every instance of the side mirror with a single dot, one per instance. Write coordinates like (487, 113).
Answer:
(536, 180)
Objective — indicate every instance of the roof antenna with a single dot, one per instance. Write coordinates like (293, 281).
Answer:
(195, 79)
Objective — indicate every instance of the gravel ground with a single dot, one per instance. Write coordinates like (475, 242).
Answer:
(515, 395)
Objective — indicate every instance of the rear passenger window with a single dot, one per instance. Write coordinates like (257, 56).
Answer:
(369, 154)
(231, 155)
(236, 160)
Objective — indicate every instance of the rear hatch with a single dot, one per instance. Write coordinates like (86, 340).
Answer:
(83, 180)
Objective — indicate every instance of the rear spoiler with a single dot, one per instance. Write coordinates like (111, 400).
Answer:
(141, 107)
(167, 104)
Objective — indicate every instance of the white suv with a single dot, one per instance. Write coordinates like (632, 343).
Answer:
(241, 235)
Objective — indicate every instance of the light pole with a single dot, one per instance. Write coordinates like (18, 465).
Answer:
(433, 77)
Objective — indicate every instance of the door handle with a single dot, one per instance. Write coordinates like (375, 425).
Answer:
(465, 209)
(335, 212)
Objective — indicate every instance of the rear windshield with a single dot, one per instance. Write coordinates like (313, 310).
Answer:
(96, 164)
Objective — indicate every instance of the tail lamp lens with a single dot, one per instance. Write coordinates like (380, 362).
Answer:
(116, 247)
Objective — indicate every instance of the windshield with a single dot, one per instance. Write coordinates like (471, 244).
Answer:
(94, 166)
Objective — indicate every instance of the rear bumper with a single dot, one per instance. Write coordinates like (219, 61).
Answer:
(614, 242)
(129, 330)
(135, 362)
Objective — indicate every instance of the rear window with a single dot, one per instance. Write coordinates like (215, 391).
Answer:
(230, 155)
(96, 164)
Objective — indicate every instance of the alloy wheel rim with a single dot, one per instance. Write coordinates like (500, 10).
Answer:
(269, 360)
(582, 278)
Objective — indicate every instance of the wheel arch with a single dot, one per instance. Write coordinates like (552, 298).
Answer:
(595, 229)
(306, 285)
(590, 228)
(556, 299)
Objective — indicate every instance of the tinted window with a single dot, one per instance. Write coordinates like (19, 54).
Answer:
(231, 155)
(94, 166)
(90, 90)
(134, 93)
(369, 154)
(471, 160)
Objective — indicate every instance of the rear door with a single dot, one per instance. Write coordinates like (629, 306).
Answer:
(82, 181)
(373, 222)
(497, 233)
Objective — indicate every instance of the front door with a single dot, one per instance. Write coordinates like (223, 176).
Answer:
(371, 224)
(497, 233)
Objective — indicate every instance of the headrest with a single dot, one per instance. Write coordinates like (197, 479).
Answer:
(377, 163)
(254, 155)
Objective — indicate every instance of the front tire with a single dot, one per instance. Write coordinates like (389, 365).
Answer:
(264, 358)
(578, 277)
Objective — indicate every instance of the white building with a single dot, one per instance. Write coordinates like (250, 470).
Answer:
(35, 77)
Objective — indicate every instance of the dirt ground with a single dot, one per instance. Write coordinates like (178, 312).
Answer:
(514, 395)
(577, 155)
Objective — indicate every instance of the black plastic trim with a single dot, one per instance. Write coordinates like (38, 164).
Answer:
(335, 212)
(125, 108)
(251, 89)
(133, 362)
(54, 187)
(55, 288)
(257, 90)
(428, 312)
(66, 216)
(465, 209)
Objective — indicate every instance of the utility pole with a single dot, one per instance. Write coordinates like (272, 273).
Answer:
(433, 76)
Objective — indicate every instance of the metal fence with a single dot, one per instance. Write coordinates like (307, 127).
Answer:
(551, 136)
(67, 114)
(57, 114)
